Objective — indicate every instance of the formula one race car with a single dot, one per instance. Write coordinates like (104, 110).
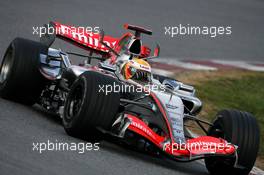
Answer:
(120, 97)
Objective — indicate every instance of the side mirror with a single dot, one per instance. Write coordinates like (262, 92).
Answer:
(157, 51)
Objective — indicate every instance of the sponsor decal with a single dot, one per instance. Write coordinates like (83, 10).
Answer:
(90, 39)
(143, 128)
(171, 106)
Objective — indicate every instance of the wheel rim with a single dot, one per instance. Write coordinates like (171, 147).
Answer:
(75, 102)
(6, 66)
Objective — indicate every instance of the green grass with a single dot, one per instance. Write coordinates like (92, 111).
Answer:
(244, 93)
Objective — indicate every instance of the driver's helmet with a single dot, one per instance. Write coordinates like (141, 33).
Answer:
(137, 69)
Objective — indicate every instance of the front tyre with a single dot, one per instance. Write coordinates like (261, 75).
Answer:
(241, 129)
(87, 107)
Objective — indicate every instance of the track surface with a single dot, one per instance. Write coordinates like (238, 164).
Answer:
(21, 125)
(246, 18)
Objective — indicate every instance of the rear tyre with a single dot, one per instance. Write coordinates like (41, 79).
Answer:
(20, 79)
(238, 128)
(88, 108)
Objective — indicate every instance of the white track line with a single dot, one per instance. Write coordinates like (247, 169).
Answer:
(240, 64)
(256, 171)
(162, 72)
(185, 65)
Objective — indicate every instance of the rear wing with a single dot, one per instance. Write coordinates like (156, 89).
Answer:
(77, 36)
(138, 30)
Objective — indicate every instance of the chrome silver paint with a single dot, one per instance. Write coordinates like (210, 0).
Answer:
(197, 103)
(65, 59)
(53, 62)
(124, 127)
(124, 122)
(174, 108)
(107, 66)
(186, 92)
(54, 52)
(179, 86)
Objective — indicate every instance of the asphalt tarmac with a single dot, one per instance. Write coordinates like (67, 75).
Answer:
(21, 126)
(245, 18)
